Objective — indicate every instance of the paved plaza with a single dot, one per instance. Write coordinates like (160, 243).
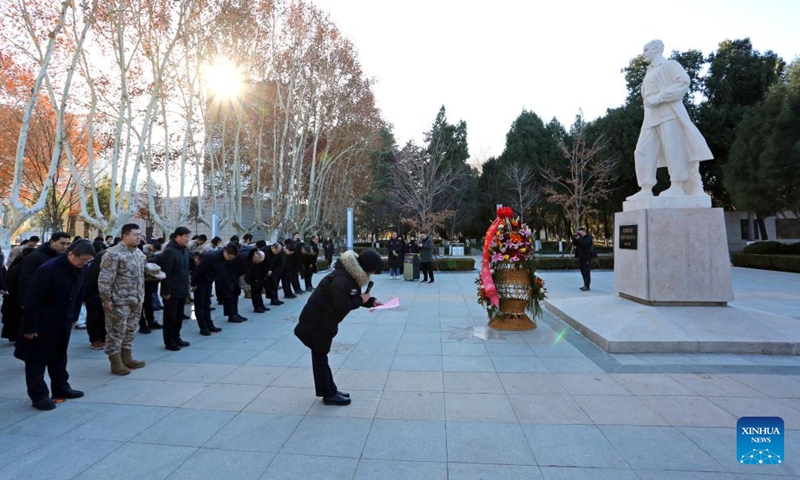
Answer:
(436, 395)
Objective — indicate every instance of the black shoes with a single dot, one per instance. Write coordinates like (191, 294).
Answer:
(186, 317)
(44, 404)
(431, 281)
(155, 326)
(68, 393)
(214, 329)
(337, 399)
(276, 302)
(261, 310)
(344, 394)
(205, 333)
(182, 343)
(172, 346)
(584, 289)
(235, 319)
(290, 296)
(244, 319)
(144, 329)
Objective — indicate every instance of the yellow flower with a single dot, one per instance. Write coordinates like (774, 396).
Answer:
(522, 250)
(506, 257)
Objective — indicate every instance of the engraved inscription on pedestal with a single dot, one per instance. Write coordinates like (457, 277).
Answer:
(628, 237)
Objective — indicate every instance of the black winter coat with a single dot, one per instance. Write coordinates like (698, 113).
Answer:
(256, 273)
(52, 305)
(174, 262)
(583, 247)
(275, 264)
(334, 297)
(208, 269)
(36, 259)
(396, 253)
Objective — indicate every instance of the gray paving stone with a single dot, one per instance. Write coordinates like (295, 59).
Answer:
(572, 446)
(411, 406)
(496, 443)
(120, 422)
(55, 423)
(652, 384)
(691, 411)
(308, 466)
(203, 373)
(652, 475)
(478, 407)
(368, 362)
(185, 427)
(391, 470)
(420, 363)
(17, 446)
(464, 349)
(276, 359)
(295, 377)
(472, 382)
(748, 406)
(253, 375)
(423, 441)
(254, 432)
(507, 349)
(215, 464)
(128, 462)
(477, 471)
(618, 410)
(159, 370)
(531, 383)
(560, 349)
(58, 459)
(329, 436)
(467, 364)
(290, 400)
(574, 473)
(166, 393)
(570, 365)
(713, 385)
(401, 381)
(187, 355)
(588, 384)
(778, 386)
(659, 448)
(15, 410)
(229, 357)
(408, 347)
(553, 409)
(519, 364)
(225, 397)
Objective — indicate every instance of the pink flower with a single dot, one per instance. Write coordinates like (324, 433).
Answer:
(497, 257)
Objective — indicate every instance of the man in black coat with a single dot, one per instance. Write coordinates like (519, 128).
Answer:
(290, 270)
(335, 296)
(255, 276)
(396, 252)
(209, 270)
(58, 244)
(174, 262)
(583, 250)
(274, 261)
(52, 305)
(311, 252)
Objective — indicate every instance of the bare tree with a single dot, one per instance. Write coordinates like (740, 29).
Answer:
(519, 179)
(584, 181)
(420, 179)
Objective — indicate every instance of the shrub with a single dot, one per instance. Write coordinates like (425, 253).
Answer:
(322, 264)
(793, 249)
(767, 248)
(781, 263)
(457, 264)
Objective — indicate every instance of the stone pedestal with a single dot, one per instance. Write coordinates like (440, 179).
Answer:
(672, 256)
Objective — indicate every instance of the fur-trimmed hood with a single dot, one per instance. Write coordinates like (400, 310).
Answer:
(349, 261)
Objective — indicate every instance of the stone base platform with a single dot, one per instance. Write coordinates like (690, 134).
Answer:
(618, 325)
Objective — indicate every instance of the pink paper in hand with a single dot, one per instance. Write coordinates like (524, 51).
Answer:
(393, 303)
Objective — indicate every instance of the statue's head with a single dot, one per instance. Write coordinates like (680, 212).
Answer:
(653, 49)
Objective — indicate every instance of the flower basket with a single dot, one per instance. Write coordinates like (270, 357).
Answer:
(508, 285)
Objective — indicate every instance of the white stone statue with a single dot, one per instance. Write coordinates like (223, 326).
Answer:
(668, 137)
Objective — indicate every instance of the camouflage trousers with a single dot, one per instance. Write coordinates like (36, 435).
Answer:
(121, 327)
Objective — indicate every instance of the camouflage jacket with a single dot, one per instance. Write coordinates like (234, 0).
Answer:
(122, 275)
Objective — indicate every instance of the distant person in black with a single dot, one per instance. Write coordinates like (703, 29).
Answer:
(335, 296)
(583, 251)
(274, 263)
(328, 248)
(311, 253)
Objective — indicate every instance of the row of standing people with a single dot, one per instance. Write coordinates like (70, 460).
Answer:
(117, 284)
(397, 248)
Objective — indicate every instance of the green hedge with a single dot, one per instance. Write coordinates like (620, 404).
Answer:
(455, 264)
(781, 263)
(569, 263)
(322, 264)
(772, 248)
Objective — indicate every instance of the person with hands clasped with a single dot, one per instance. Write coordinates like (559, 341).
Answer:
(335, 296)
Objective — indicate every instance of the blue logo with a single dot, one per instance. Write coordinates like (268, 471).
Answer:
(759, 440)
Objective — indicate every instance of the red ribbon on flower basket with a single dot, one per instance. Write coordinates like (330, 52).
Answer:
(486, 270)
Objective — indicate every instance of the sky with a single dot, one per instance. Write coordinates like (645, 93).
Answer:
(487, 61)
